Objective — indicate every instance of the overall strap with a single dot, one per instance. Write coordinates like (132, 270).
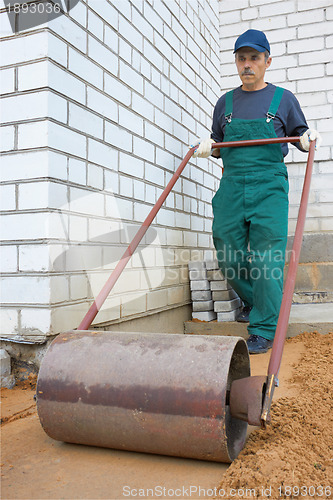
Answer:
(228, 105)
(274, 104)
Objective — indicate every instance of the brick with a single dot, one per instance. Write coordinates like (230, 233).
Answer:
(202, 305)
(140, 211)
(102, 104)
(32, 290)
(175, 238)
(212, 265)
(175, 295)
(57, 49)
(7, 138)
(142, 24)
(303, 72)
(143, 149)
(166, 218)
(9, 321)
(154, 17)
(226, 305)
(78, 287)
(247, 14)
(182, 220)
(118, 207)
(130, 165)
(95, 25)
(5, 26)
(78, 228)
(324, 28)
(102, 154)
(197, 223)
(66, 83)
(95, 177)
(8, 258)
(111, 39)
(85, 121)
(33, 195)
(86, 202)
(219, 285)
(36, 320)
(318, 83)
(199, 285)
(316, 57)
(77, 171)
(33, 105)
(117, 89)
(33, 135)
(131, 77)
(157, 299)
(85, 68)
(198, 274)
(129, 32)
(215, 275)
(25, 165)
(274, 9)
(307, 45)
(67, 29)
(153, 174)
(198, 295)
(224, 295)
(7, 82)
(101, 54)
(106, 11)
(67, 140)
(118, 137)
(228, 316)
(307, 17)
(196, 265)
(204, 316)
(131, 121)
(32, 76)
(125, 51)
(153, 133)
(59, 289)
(24, 48)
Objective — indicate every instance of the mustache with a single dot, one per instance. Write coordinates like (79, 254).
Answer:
(247, 72)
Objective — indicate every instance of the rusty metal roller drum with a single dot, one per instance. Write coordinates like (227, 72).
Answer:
(146, 392)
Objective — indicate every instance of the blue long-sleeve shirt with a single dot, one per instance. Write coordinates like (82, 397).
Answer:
(289, 119)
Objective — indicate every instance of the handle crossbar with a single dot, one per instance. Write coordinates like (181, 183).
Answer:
(104, 293)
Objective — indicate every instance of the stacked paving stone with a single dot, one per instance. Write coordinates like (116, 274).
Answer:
(202, 303)
(212, 296)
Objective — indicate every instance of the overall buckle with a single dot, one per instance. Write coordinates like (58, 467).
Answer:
(270, 117)
(228, 117)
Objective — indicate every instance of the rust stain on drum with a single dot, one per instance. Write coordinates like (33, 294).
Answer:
(166, 400)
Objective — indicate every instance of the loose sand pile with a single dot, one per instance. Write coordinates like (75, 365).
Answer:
(293, 458)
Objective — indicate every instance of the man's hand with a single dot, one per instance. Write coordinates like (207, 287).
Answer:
(310, 135)
(203, 148)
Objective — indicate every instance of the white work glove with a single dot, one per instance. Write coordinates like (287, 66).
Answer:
(203, 148)
(310, 135)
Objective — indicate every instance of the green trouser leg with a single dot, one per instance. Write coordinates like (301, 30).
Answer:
(250, 236)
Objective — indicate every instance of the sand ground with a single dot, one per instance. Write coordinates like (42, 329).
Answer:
(36, 467)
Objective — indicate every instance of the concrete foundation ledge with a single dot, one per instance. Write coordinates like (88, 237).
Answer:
(303, 318)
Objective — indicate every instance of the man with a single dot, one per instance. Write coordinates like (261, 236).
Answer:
(251, 205)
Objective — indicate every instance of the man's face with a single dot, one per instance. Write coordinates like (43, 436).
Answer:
(251, 67)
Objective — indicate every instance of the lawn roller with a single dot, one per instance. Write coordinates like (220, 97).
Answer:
(170, 394)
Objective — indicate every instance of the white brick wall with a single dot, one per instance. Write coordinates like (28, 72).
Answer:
(300, 34)
(97, 112)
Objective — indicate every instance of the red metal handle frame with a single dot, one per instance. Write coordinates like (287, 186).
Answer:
(102, 296)
(283, 320)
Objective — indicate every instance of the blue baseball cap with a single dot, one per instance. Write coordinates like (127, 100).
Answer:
(253, 38)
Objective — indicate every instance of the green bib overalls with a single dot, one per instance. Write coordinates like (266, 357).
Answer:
(250, 223)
